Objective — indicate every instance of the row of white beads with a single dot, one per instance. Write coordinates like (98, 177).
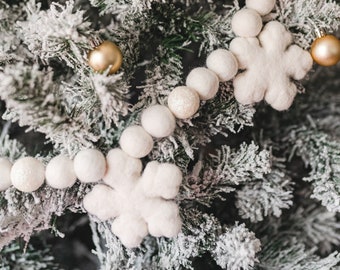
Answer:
(89, 165)
(183, 102)
(27, 174)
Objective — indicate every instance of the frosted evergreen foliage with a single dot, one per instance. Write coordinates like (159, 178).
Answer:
(292, 255)
(198, 236)
(307, 17)
(232, 174)
(237, 248)
(10, 148)
(268, 196)
(60, 33)
(13, 257)
(225, 170)
(319, 151)
(37, 90)
(315, 226)
(292, 241)
(201, 234)
(23, 213)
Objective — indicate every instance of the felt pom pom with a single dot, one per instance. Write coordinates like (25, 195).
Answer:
(223, 63)
(204, 82)
(136, 142)
(165, 219)
(158, 121)
(27, 174)
(161, 179)
(5, 174)
(89, 165)
(130, 229)
(122, 170)
(101, 202)
(183, 102)
(246, 23)
(263, 7)
(60, 172)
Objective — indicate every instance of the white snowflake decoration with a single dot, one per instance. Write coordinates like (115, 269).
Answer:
(140, 204)
(270, 63)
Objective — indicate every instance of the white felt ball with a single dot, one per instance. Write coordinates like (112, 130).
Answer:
(161, 179)
(136, 142)
(5, 174)
(60, 172)
(158, 121)
(89, 165)
(223, 63)
(130, 229)
(263, 7)
(27, 174)
(204, 82)
(246, 23)
(122, 170)
(165, 220)
(183, 102)
(101, 202)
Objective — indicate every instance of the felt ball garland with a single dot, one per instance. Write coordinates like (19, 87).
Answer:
(143, 199)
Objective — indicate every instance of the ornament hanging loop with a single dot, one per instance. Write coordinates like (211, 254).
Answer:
(319, 32)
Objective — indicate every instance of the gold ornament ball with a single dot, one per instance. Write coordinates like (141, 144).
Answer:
(105, 55)
(325, 50)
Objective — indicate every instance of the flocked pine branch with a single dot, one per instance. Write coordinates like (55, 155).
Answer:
(201, 234)
(308, 16)
(72, 104)
(61, 32)
(266, 196)
(225, 170)
(22, 214)
(289, 254)
(314, 226)
(292, 241)
(237, 248)
(319, 151)
(34, 100)
(14, 256)
(223, 115)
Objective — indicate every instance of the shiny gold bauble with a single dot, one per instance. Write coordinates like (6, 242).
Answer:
(105, 55)
(325, 50)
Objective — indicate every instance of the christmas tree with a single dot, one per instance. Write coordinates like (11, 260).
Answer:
(183, 134)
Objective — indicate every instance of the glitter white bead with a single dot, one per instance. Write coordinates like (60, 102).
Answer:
(136, 142)
(89, 165)
(223, 63)
(158, 121)
(60, 172)
(246, 23)
(27, 174)
(263, 7)
(5, 174)
(183, 102)
(204, 82)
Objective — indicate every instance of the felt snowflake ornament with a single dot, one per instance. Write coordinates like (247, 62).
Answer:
(270, 63)
(140, 203)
